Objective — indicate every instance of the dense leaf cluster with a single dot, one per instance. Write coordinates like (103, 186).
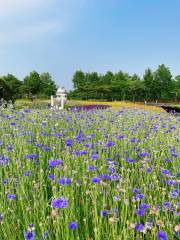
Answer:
(35, 84)
(158, 85)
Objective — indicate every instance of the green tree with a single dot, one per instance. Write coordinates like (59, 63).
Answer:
(48, 86)
(177, 86)
(32, 83)
(78, 79)
(135, 88)
(92, 78)
(91, 84)
(164, 82)
(14, 86)
(5, 91)
(107, 78)
(149, 84)
(120, 85)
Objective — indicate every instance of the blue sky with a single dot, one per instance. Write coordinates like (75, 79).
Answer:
(61, 36)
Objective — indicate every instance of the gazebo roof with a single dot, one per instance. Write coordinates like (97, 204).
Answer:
(61, 90)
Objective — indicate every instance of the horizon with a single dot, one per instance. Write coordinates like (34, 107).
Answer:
(61, 37)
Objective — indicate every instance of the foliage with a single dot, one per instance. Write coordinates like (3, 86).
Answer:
(41, 85)
(163, 81)
(4, 90)
(158, 85)
(47, 85)
(10, 87)
(14, 85)
(177, 86)
(32, 83)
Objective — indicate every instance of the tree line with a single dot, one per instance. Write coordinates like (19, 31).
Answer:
(154, 85)
(35, 84)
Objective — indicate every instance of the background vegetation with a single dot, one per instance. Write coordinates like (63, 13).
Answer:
(158, 85)
(35, 84)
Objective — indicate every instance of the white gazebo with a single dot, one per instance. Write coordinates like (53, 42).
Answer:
(58, 101)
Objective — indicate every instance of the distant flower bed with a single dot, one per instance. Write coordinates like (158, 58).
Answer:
(87, 107)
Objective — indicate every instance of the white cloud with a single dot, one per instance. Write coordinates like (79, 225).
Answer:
(29, 20)
(13, 6)
(31, 32)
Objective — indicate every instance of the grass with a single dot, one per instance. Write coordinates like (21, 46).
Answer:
(112, 162)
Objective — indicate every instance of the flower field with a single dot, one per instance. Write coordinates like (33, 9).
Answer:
(89, 175)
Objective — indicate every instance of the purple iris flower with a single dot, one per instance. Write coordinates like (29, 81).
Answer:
(162, 235)
(51, 176)
(136, 190)
(64, 181)
(105, 176)
(94, 156)
(39, 145)
(144, 206)
(174, 193)
(29, 235)
(5, 181)
(120, 137)
(144, 154)
(110, 143)
(167, 160)
(59, 202)
(82, 152)
(115, 177)
(166, 172)
(31, 156)
(172, 182)
(104, 213)
(133, 140)
(167, 205)
(111, 169)
(4, 160)
(69, 142)
(54, 163)
(27, 173)
(140, 212)
(96, 180)
(73, 225)
(140, 196)
(46, 148)
(27, 110)
(139, 227)
(92, 168)
(11, 196)
(130, 160)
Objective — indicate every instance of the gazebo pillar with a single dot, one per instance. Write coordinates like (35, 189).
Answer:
(52, 101)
